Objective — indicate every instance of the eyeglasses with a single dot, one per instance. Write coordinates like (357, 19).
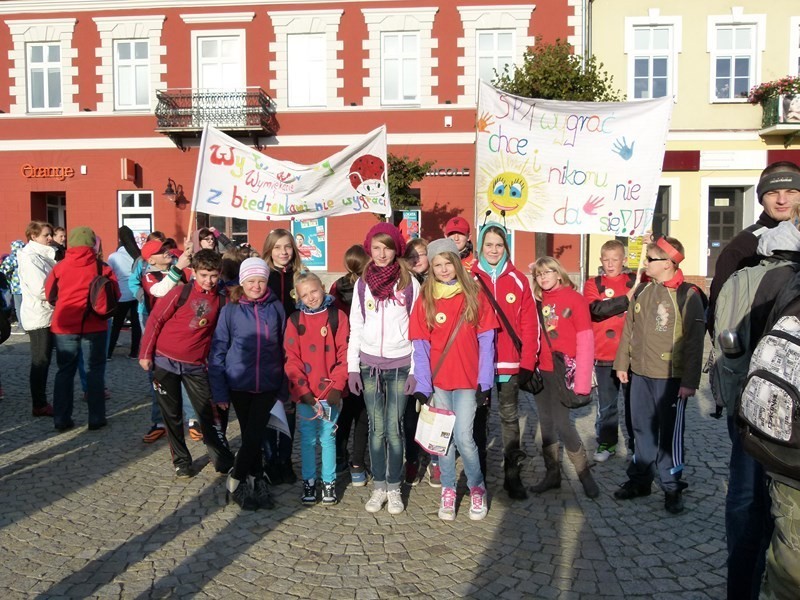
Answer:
(543, 273)
(651, 259)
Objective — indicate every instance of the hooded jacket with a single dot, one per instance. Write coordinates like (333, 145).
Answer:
(34, 263)
(67, 288)
(512, 291)
(10, 268)
(247, 348)
(122, 264)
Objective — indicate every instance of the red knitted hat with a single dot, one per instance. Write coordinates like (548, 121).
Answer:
(390, 230)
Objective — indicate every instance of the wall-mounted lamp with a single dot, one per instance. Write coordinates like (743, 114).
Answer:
(174, 193)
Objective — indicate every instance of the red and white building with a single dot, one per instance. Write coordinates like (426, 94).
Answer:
(102, 103)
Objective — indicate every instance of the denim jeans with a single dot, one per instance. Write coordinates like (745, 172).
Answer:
(748, 523)
(311, 430)
(68, 348)
(386, 403)
(18, 309)
(607, 423)
(783, 558)
(461, 402)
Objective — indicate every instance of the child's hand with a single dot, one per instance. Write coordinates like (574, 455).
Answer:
(223, 405)
(146, 364)
(686, 392)
(524, 376)
(355, 383)
(482, 396)
(308, 399)
(410, 386)
(622, 376)
(335, 399)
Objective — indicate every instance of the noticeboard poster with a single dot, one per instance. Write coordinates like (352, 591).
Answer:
(311, 238)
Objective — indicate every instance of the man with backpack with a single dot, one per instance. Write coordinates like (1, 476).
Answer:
(769, 255)
(84, 292)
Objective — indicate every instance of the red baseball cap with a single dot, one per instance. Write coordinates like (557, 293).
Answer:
(152, 248)
(457, 225)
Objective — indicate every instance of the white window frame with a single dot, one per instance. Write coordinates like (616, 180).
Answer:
(307, 73)
(654, 20)
(402, 57)
(794, 46)
(126, 214)
(45, 66)
(131, 63)
(737, 18)
(494, 54)
(218, 33)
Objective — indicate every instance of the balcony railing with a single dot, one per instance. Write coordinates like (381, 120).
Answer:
(776, 122)
(184, 112)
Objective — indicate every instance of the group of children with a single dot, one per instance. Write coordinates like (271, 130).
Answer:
(433, 323)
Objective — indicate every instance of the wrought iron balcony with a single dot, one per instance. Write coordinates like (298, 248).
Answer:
(778, 119)
(183, 112)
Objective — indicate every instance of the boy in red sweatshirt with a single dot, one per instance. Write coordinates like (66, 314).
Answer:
(608, 296)
(176, 344)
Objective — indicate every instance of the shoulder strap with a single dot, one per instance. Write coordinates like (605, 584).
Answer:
(541, 324)
(295, 318)
(361, 288)
(333, 319)
(598, 282)
(184, 296)
(447, 346)
(499, 311)
(409, 294)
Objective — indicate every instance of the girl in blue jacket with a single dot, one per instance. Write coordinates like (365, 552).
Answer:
(245, 368)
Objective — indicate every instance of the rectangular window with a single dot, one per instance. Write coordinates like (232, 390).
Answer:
(734, 60)
(307, 69)
(495, 51)
(131, 74)
(135, 209)
(234, 229)
(652, 57)
(44, 76)
(400, 68)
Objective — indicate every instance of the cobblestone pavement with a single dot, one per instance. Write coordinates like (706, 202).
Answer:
(99, 514)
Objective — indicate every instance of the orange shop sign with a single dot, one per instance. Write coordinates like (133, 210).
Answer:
(29, 171)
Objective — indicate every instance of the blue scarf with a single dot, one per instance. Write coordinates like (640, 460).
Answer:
(312, 311)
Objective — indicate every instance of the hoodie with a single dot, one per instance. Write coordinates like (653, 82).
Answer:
(512, 291)
(9, 266)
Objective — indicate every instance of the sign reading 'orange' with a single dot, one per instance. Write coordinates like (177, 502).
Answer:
(61, 173)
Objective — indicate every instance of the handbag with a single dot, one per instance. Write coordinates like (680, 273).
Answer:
(535, 385)
(564, 370)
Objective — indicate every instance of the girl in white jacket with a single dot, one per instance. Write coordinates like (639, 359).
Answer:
(35, 262)
(379, 358)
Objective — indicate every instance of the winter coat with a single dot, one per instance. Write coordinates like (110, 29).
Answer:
(122, 264)
(35, 261)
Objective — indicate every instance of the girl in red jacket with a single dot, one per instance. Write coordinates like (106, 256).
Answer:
(453, 310)
(568, 327)
(516, 350)
(316, 367)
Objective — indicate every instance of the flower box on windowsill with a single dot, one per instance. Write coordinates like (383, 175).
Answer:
(781, 116)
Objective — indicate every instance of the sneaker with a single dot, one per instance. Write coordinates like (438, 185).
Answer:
(184, 472)
(447, 508)
(376, 501)
(604, 452)
(243, 495)
(412, 473)
(358, 476)
(156, 433)
(395, 499)
(261, 493)
(43, 411)
(434, 476)
(673, 502)
(195, 432)
(478, 507)
(309, 491)
(630, 490)
(329, 497)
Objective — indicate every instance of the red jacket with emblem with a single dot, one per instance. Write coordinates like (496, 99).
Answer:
(67, 288)
(513, 294)
(608, 304)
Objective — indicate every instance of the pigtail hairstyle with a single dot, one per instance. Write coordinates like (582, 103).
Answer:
(469, 288)
(355, 261)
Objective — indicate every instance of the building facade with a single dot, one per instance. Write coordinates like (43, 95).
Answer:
(707, 56)
(102, 103)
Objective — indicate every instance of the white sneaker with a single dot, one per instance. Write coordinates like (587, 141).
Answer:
(447, 509)
(376, 501)
(604, 452)
(478, 508)
(395, 502)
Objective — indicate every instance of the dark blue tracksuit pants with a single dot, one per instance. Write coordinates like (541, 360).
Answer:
(658, 417)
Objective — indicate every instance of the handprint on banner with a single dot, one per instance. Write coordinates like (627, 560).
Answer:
(621, 147)
(592, 204)
(484, 122)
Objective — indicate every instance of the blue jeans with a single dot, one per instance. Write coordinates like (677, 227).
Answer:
(461, 402)
(311, 430)
(18, 309)
(386, 403)
(68, 348)
(607, 423)
(748, 523)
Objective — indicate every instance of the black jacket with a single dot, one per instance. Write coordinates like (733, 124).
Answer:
(281, 283)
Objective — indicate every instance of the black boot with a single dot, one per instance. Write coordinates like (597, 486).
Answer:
(581, 464)
(552, 478)
(512, 483)
(240, 493)
(261, 493)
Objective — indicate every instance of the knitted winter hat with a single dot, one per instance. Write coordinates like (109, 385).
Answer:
(81, 236)
(390, 230)
(440, 246)
(779, 180)
(253, 267)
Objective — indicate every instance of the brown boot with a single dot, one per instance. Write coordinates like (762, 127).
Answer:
(552, 478)
(584, 474)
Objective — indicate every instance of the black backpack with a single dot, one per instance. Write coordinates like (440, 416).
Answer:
(103, 298)
(333, 320)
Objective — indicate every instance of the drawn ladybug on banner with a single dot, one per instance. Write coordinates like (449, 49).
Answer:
(368, 176)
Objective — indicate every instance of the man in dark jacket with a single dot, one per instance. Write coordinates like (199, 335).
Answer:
(67, 289)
